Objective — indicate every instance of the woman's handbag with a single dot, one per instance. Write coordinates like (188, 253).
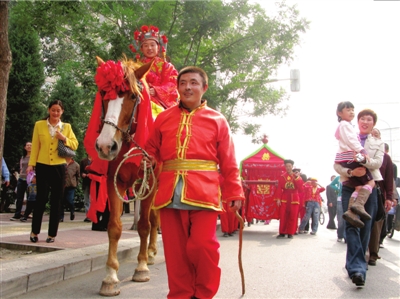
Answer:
(63, 150)
(380, 214)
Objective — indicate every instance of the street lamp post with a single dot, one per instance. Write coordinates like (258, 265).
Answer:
(294, 80)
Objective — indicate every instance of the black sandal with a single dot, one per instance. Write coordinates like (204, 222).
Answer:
(33, 238)
(50, 240)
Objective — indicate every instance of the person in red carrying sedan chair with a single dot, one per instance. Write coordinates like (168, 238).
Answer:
(287, 198)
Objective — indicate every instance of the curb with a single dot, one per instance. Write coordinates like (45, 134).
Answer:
(21, 276)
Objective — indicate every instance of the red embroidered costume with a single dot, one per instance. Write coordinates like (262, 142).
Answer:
(162, 75)
(288, 193)
(190, 145)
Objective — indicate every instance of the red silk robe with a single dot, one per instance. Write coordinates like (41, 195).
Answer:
(288, 193)
(162, 77)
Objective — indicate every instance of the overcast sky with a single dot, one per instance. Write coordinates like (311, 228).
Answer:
(351, 52)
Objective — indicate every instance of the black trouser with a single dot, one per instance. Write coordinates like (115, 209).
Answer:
(102, 220)
(127, 207)
(30, 206)
(102, 217)
(21, 190)
(50, 179)
(68, 201)
(389, 222)
(383, 230)
(332, 215)
(7, 197)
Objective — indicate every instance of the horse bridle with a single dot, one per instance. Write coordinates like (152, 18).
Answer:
(126, 134)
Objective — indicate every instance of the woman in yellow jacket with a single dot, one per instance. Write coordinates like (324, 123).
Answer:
(49, 167)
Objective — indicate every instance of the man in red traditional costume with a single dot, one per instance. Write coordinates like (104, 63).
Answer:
(162, 75)
(287, 198)
(191, 141)
(312, 198)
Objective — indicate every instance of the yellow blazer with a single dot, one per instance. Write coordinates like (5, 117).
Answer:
(45, 147)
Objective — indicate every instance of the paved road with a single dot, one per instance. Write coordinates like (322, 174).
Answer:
(304, 267)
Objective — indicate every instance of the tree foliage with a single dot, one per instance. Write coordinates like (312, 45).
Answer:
(24, 99)
(238, 44)
(71, 95)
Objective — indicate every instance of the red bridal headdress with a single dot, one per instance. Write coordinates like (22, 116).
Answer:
(110, 78)
(148, 33)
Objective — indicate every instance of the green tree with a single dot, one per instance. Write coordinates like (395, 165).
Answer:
(71, 95)
(24, 100)
(236, 42)
(240, 46)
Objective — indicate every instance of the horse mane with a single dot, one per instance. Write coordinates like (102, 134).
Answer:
(129, 67)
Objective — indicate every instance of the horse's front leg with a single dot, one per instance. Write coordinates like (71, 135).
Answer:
(142, 272)
(111, 284)
(152, 249)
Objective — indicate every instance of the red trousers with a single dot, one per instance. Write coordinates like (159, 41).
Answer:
(191, 251)
(288, 215)
(229, 223)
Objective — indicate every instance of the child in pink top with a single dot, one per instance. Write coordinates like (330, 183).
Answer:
(349, 155)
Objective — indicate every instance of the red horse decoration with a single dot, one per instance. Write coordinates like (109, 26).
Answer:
(120, 120)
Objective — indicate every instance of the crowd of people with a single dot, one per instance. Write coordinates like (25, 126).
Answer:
(44, 175)
(360, 196)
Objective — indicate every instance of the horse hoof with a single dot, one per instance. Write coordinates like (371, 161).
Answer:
(110, 289)
(141, 276)
(150, 260)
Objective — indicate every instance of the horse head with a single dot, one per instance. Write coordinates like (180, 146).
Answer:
(120, 89)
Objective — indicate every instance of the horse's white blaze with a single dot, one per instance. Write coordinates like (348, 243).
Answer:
(111, 276)
(106, 137)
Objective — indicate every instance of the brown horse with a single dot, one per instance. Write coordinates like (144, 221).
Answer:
(121, 100)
